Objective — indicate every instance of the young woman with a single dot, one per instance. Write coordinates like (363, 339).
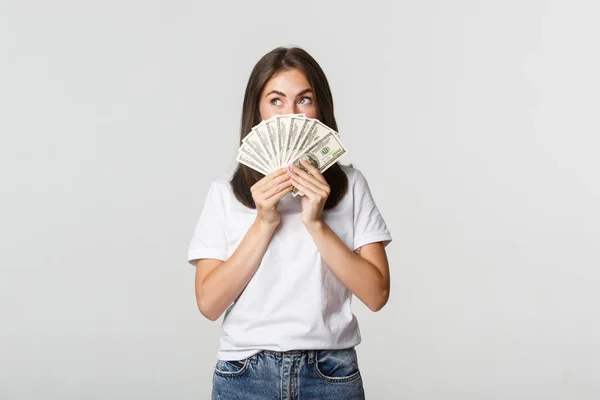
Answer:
(283, 269)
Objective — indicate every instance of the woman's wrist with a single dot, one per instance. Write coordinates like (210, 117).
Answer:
(314, 226)
(266, 226)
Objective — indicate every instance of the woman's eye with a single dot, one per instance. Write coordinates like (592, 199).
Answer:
(306, 98)
(276, 102)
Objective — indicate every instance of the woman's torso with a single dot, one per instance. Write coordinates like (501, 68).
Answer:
(293, 301)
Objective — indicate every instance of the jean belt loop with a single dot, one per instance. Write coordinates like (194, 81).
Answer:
(311, 357)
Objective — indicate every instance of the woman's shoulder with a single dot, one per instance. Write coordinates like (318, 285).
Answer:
(355, 175)
(219, 185)
(222, 180)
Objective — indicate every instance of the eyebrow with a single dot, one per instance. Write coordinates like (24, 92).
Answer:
(283, 95)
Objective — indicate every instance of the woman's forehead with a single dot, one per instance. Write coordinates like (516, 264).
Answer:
(288, 80)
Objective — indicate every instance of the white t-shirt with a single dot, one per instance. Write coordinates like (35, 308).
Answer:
(293, 301)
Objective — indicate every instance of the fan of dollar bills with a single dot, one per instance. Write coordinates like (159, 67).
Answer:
(285, 139)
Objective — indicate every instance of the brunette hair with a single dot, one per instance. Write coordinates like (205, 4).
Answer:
(281, 59)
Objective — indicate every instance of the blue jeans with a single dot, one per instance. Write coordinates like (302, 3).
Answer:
(290, 375)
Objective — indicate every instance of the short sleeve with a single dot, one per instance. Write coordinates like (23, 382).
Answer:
(369, 226)
(208, 240)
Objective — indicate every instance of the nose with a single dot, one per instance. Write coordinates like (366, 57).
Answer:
(291, 109)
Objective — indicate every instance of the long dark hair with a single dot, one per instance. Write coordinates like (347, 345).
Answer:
(280, 59)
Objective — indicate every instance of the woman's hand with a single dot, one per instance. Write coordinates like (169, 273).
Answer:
(266, 194)
(315, 189)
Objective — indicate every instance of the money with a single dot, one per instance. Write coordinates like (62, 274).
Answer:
(297, 130)
(286, 139)
(322, 154)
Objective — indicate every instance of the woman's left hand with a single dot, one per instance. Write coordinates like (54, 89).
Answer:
(315, 189)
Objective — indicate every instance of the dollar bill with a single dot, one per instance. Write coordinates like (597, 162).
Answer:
(243, 159)
(300, 127)
(259, 145)
(316, 131)
(265, 140)
(271, 126)
(283, 127)
(251, 149)
(322, 154)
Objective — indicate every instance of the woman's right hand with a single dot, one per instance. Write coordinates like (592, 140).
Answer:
(267, 192)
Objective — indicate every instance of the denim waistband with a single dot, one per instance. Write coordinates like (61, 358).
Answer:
(292, 353)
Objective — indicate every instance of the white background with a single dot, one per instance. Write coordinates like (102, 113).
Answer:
(476, 124)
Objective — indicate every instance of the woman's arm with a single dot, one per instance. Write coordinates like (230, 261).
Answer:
(365, 273)
(219, 283)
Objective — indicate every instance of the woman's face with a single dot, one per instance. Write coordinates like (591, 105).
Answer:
(287, 92)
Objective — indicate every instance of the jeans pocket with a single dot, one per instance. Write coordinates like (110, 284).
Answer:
(231, 368)
(337, 365)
